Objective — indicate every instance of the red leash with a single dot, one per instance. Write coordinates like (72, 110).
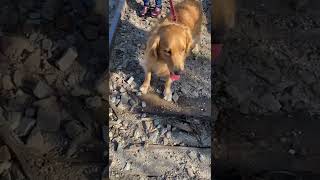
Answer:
(216, 50)
(172, 11)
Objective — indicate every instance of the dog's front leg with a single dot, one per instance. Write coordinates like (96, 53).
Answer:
(146, 84)
(167, 90)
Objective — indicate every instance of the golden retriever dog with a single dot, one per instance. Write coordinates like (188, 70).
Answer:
(170, 43)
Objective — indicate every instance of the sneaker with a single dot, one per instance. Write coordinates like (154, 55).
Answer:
(144, 11)
(156, 12)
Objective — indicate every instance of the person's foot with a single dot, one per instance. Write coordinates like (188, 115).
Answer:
(144, 11)
(156, 12)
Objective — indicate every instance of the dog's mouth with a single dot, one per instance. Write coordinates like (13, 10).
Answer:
(174, 77)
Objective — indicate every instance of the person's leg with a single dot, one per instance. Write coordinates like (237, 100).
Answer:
(159, 4)
(145, 7)
(157, 10)
(145, 2)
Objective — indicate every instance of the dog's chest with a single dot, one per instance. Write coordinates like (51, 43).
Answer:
(160, 69)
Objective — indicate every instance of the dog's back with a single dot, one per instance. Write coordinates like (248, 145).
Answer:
(223, 15)
(189, 13)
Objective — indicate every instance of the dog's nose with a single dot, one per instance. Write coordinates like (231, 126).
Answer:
(177, 72)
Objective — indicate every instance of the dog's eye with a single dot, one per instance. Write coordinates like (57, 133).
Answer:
(183, 49)
(168, 51)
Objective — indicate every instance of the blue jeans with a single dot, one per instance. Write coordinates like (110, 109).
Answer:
(158, 3)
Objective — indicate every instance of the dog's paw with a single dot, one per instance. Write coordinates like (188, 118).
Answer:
(144, 89)
(168, 96)
(196, 49)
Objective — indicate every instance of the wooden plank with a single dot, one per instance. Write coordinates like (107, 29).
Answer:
(188, 107)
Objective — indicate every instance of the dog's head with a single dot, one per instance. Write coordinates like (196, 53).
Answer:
(170, 43)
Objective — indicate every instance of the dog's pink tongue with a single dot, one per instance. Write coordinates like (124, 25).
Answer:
(174, 77)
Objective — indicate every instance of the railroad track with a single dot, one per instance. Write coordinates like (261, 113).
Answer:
(114, 23)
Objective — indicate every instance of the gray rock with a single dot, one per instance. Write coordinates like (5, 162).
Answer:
(47, 142)
(202, 158)
(19, 102)
(205, 139)
(316, 89)
(18, 78)
(192, 155)
(34, 15)
(25, 126)
(147, 125)
(67, 59)
(125, 98)
(156, 122)
(130, 80)
(175, 97)
(51, 78)
(49, 119)
(143, 104)
(5, 166)
(165, 141)
(163, 131)
(127, 166)
(269, 102)
(49, 9)
(153, 137)
(42, 90)
(143, 115)
(74, 129)
(94, 102)
(190, 172)
(4, 154)
(113, 99)
(15, 46)
(46, 44)
(122, 90)
(117, 102)
(32, 63)
(7, 83)
(292, 151)
(180, 137)
(2, 118)
(138, 133)
(133, 102)
(14, 119)
(30, 112)
(46, 103)
(169, 134)
(79, 91)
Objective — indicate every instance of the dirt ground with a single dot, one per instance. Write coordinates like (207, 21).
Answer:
(266, 93)
(150, 138)
(52, 52)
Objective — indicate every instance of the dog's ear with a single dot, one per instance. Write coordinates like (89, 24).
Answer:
(153, 45)
(189, 41)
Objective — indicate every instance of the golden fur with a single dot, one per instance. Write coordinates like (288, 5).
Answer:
(170, 43)
(223, 14)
